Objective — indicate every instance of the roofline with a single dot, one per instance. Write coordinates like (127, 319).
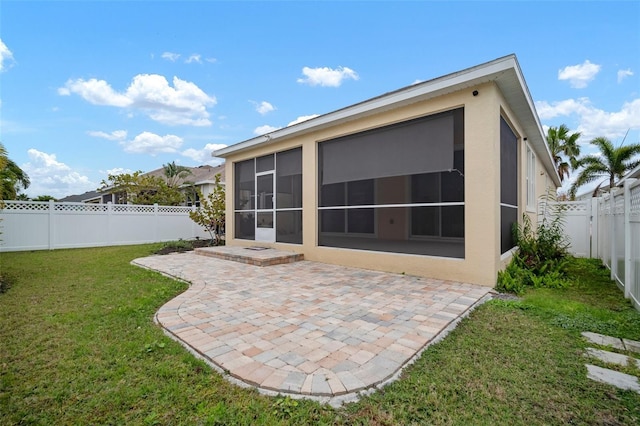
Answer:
(479, 74)
(630, 175)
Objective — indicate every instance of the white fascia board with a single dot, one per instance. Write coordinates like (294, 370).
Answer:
(86, 200)
(536, 136)
(200, 183)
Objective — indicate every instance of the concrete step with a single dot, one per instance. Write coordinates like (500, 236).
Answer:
(612, 357)
(257, 256)
(614, 342)
(614, 378)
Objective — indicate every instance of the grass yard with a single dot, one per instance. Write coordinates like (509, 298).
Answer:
(78, 346)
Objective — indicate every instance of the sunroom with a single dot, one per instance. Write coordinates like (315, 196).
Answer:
(428, 180)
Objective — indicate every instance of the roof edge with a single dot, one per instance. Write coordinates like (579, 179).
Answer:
(414, 91)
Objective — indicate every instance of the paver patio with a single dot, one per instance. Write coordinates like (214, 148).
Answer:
(307, 328)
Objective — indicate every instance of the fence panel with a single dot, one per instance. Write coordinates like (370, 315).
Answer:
(618, 252)
(30, 225)
(575, 221)
(633, 265)
(611, 228)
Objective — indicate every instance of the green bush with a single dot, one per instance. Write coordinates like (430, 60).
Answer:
(541, 259)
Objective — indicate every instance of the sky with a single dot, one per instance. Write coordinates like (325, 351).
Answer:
(92, 88)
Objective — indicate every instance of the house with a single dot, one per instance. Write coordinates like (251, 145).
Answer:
(91, 197)
(427, 180)
(201, 178)
(631, 175)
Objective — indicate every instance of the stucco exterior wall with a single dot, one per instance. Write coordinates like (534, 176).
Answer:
(482, 189)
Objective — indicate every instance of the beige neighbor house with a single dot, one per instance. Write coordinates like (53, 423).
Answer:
(427, 180)
(201, 178)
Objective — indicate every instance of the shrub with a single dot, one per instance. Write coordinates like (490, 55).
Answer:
(541, 259)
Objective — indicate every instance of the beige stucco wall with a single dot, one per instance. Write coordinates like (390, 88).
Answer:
(482, 190)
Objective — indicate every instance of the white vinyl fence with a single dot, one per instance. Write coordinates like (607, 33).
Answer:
(608, 228)
(32, 225)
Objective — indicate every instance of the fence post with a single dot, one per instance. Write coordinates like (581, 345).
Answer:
(156, 224)
(628, 279)
(612, 236)
(193, 224)
(594, 253)
(52, 211)
(109, 219)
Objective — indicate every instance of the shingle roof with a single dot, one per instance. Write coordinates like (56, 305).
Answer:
(80, 197)
(200, 174)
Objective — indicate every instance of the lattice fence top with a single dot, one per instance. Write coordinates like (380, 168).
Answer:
(619, 204)
(173, 209)
(64, 207)
(24, 206)
(552, 208)
(634, 199)
(43, 206)
(128, 208)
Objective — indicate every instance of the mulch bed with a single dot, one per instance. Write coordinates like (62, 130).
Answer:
(192, 244)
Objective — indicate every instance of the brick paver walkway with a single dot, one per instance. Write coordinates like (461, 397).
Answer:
(307, 328)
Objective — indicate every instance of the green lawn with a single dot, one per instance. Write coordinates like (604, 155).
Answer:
(78, 346)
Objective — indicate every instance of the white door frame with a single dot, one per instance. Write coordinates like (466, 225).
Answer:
(264, 233)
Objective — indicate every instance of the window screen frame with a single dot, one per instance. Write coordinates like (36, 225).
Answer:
(339, 206)
(509, 187)
(269, 166)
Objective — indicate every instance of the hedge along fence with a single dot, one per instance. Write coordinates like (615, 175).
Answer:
(33, 225)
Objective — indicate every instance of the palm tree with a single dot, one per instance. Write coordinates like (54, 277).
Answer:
(561, 142)
(12, 177)
(612, 163)
(174, 173)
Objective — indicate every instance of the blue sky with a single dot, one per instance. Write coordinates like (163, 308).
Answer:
(91, 88)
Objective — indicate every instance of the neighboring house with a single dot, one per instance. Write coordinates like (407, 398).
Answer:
(92, 197)
(427, 180)
(604, 188)
(201, 178)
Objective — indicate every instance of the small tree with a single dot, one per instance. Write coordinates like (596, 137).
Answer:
(138, 188)
(44, 198)
(211, 213)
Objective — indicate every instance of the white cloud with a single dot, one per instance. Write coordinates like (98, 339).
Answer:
(261, 130)
(195, 57)
(417, 81)
(116, 171)
(184, 103)
(116, 135)
(579, 75)
(203, 156)
(566, 107)
(6, 56)
(592, 121)
(170, 56)
(52, 177)
(622, 74)
(263, 107)
(211, 60)
(152, 144)
(97, 92)
(303, 118)
(327, 77)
